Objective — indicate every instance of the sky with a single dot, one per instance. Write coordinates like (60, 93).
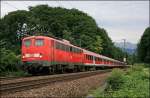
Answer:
(121, 19)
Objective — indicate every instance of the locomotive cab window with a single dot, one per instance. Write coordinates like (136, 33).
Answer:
(39, 42)
(27, 42)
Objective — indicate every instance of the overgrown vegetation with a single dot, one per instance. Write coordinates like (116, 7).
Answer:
(131, 84)
(144, 47)
(10, 64)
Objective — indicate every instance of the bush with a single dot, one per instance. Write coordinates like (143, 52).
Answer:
(137, 67)
(116, 79)
(133, 84)
(8, 61)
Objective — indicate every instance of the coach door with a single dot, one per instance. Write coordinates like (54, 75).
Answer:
(93, 60)
(52, 51)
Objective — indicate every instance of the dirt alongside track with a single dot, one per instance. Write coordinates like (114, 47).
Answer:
(75, 88)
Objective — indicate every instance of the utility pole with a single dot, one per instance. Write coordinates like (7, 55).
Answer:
(124, 59)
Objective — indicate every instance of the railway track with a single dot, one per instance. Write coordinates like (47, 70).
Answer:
(8, 78)
(45, 80)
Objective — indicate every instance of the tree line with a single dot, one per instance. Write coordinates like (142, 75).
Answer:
(143, 51)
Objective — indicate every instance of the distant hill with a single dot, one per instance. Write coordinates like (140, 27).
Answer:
(130, 47)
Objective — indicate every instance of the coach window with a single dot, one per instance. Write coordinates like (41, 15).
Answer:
(62, 47)
(79, 51)
(27, 42)
(89, 57)
(57, 45)
(70, 49)
(86, 56)
(67, 48)
(39, 42)
(74, 49)
(92, 57)
(99, 59)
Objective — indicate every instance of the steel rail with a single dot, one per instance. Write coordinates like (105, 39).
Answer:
(30, 84)
(11, 78)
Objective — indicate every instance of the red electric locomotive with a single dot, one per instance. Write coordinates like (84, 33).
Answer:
(41, 53)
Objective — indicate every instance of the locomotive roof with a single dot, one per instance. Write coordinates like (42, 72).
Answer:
(66, 43)
(35, 37)
(45, 37)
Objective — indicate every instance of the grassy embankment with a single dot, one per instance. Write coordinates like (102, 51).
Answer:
(131, 84)
(10, 64)
(17, 73)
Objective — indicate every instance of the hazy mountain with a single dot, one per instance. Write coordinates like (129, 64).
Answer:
(129, 47)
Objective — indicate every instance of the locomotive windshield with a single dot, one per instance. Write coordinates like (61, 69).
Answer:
(27, 42)
(39, 42)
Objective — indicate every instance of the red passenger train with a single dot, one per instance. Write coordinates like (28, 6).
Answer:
(41, 53)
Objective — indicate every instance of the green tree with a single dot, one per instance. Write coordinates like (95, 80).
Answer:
(11, 25)
(8, 60)
(144, 47)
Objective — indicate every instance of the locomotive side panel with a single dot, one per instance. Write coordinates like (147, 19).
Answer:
(76, 55)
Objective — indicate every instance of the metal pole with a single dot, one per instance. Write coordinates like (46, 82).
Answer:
(124, 59)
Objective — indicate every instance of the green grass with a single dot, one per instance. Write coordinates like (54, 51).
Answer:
(131, 84)
(18, 73)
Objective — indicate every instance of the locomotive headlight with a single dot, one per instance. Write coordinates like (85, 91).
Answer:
(23, 56)
(37, 55)
(40, 55)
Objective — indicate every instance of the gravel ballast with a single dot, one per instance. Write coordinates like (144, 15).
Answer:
(75, 88)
